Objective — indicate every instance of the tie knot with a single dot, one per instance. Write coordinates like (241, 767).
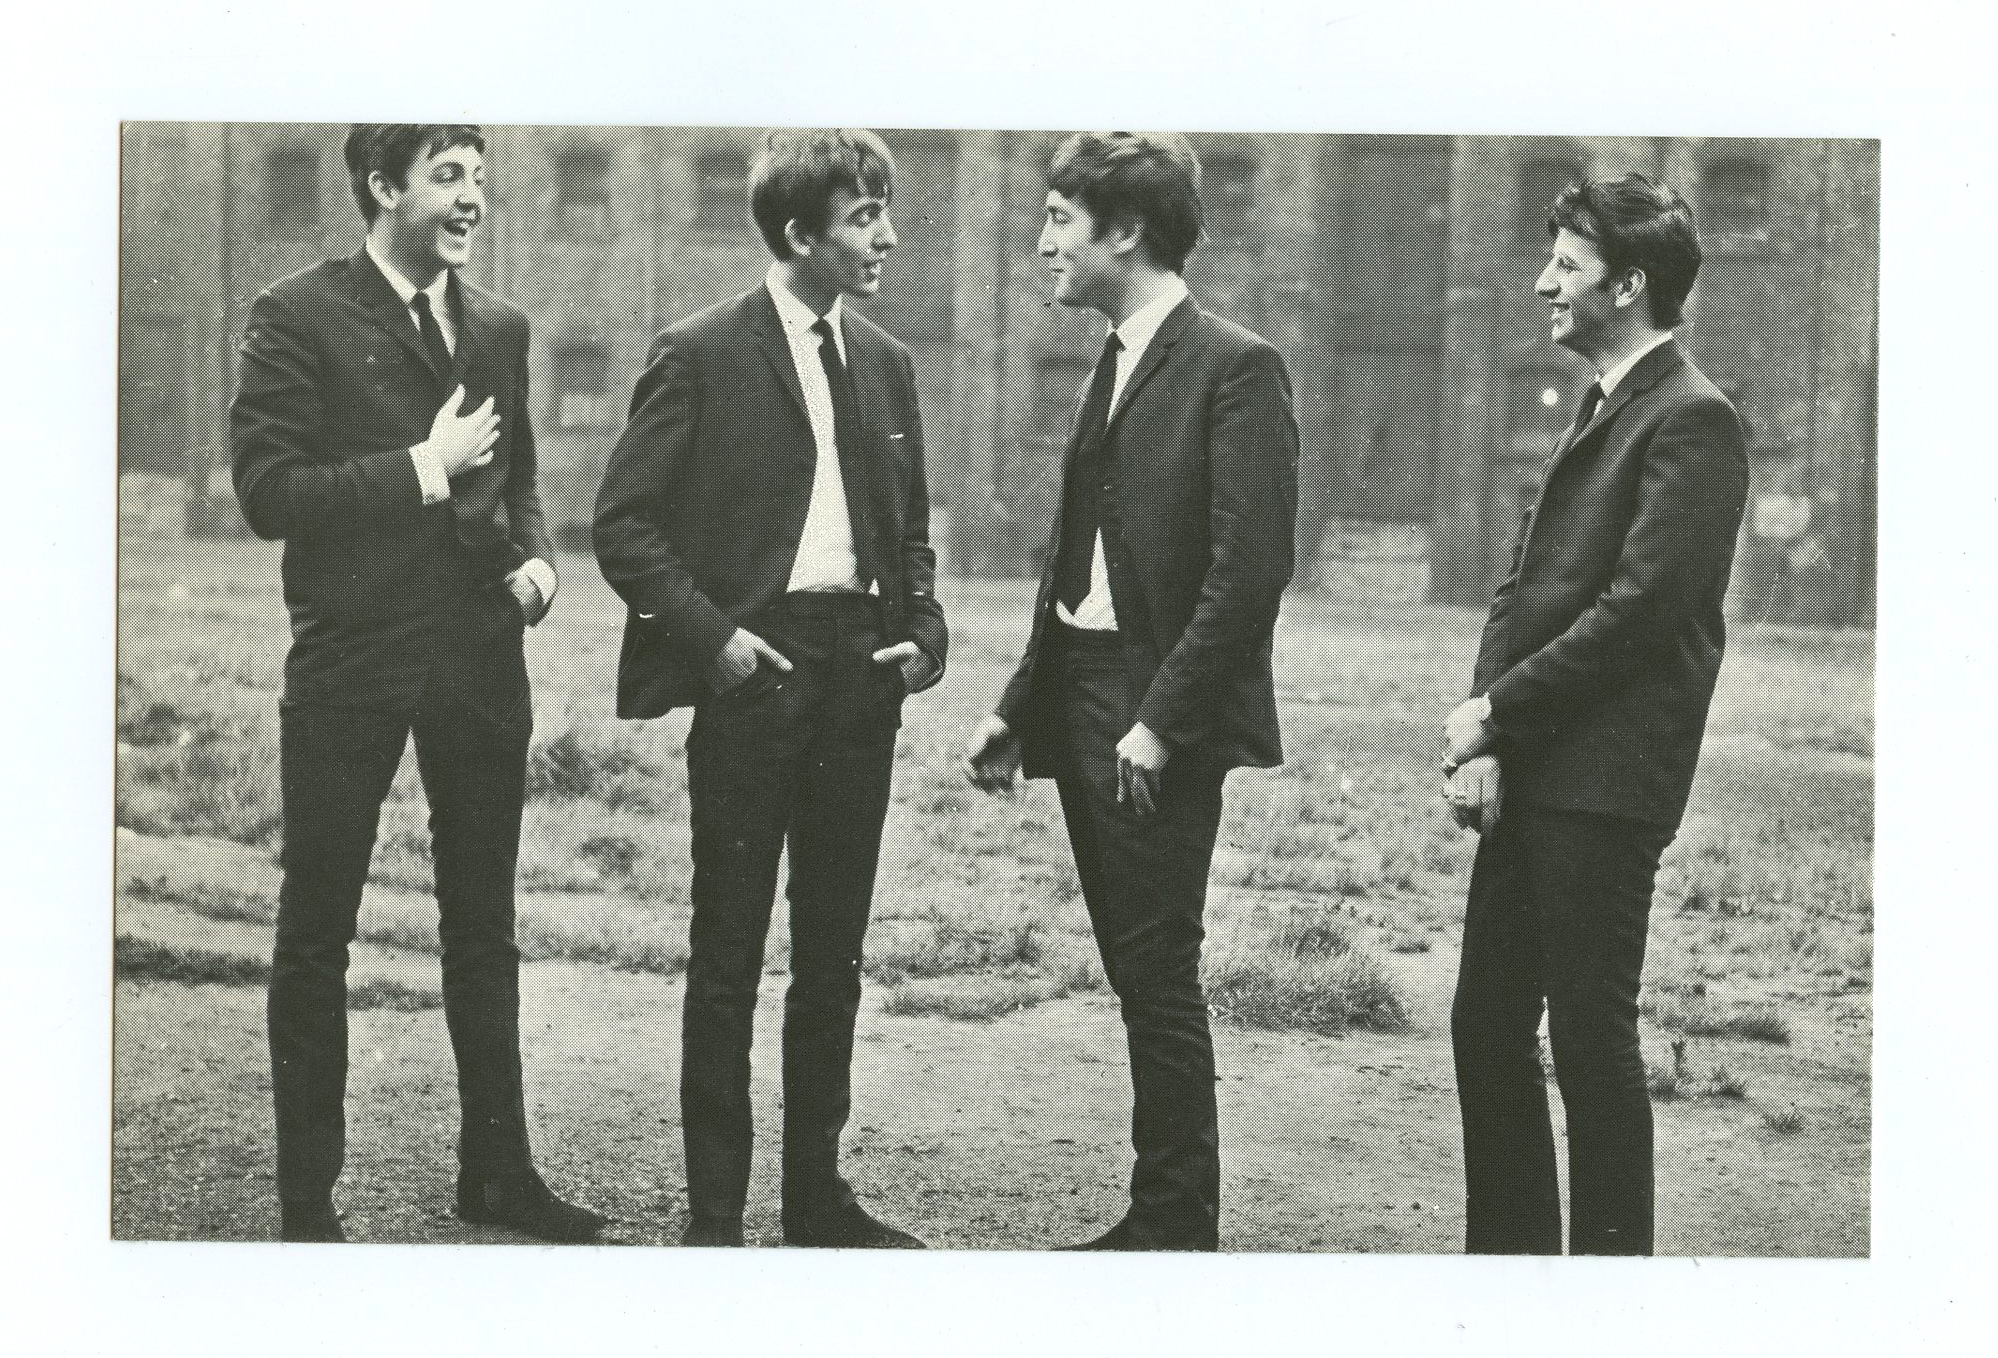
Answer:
(1113, 343)
(421, 301)
(822, 327)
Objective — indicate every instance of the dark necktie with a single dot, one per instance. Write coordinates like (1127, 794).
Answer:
(433, 334)
(1591, 400)
(1083, 515)
(846, 435)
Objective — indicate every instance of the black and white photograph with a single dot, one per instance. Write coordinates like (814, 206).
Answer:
(520, 594)
(800, 695)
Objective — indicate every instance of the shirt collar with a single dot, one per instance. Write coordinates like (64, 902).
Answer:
(407, 290)
(795, 316)
(1141, 325)
(1608, 381)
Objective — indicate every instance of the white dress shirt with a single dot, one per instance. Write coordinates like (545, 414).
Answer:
(430, 474)
(1095, 612)
(1608, 380)
(826, 558)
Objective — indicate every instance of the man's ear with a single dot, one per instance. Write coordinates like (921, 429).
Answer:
(800, 240)
(1125, 236)
(1630, 287)
(385, 193)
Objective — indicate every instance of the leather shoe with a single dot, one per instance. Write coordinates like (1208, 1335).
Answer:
(310, 1223)
(525, 1204)
(1126, 1235)
(845, 1226)
(712, 1232)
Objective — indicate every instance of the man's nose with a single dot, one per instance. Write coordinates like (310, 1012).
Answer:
(884, 233)
(1545, 284)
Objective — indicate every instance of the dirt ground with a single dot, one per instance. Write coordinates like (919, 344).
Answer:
(1004, 1135)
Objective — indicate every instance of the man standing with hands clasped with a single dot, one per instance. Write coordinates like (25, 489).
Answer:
(766, 519)
(381, 429)
(1147, 673)
(1575, 755)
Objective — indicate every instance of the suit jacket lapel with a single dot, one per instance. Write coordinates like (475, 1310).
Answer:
(1650, 370)
(776, 346)
(1174, 325)
(472, 330)
(375, 293)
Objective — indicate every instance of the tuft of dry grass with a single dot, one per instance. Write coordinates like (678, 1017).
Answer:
(140, 960)
(1301, 968)
(971, 999)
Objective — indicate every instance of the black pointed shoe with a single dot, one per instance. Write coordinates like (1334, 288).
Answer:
(523, 1203)
(1128, 1235)
(845, 1226)
(310, 1223)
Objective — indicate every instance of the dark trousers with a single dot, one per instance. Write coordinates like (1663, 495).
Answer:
(1145, 885)
(799, 759)
(1558, 908)
(337, 763)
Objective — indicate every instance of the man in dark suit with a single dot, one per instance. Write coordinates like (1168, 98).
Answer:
(765, 517)
(381, 429)
(1147, 675)
(1598, 663)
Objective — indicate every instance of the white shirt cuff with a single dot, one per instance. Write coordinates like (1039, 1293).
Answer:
(543, 576)
(430, 476)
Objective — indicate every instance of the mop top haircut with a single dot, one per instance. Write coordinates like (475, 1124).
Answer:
(1636, 222)
(1147, 179)
(796, 172)
(389, 149)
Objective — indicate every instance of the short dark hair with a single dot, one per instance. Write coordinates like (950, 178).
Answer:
(1636, 222)
(797, 171)
(1150, 179)
(389, 149)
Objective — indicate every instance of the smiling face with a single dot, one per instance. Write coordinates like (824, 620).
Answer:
(847, 256)
(427, 225)
(1090, 267)
(1582, 304)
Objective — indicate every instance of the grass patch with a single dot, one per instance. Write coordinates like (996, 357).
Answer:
(977, 999)
(1689, 1013)
(581, 765)
(139, 960)
(210, 901)
(1784, 1121)
(1301, 968)
(380, 993)
(627, 935)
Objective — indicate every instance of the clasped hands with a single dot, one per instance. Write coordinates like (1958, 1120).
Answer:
(1472, 784)
(994, 758)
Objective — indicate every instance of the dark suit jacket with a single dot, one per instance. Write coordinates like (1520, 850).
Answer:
(335, 388)
(1604, 641)
(703, 503)
(1197, 541)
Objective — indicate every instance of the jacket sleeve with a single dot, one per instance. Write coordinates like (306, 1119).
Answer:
(919, 560)
(631, 534)
(1491, 643)
(1252, 516)
(523, 497)
(1691, 490)
(289, 479)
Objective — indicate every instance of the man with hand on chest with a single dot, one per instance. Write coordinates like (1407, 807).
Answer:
(380, 428)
